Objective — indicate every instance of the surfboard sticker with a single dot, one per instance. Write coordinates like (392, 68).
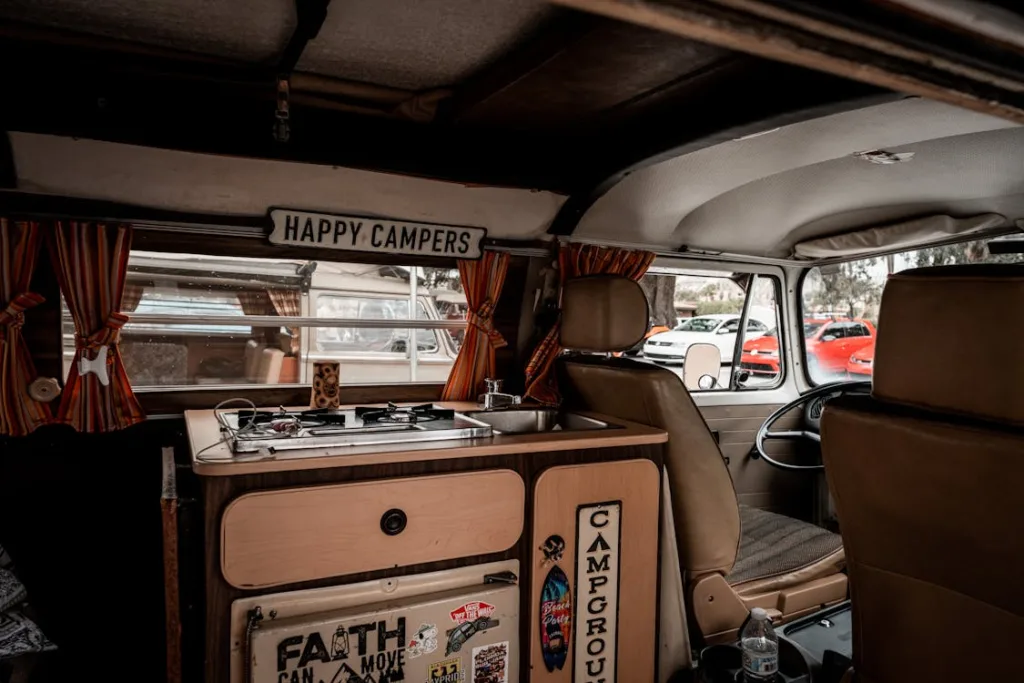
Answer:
(555, 619)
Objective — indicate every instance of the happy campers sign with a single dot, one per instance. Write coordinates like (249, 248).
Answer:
(380, 235)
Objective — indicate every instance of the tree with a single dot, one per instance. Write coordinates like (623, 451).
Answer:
(661, 296)
(849, 289)
(712, 307)
(955, 254)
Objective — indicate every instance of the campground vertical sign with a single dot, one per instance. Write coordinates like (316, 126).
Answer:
(598, 542)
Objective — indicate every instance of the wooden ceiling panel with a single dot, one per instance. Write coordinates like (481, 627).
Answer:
(606, 66)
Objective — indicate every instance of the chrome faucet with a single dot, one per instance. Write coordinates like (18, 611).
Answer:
(494, 399)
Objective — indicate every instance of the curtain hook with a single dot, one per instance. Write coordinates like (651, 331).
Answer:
(282, 125)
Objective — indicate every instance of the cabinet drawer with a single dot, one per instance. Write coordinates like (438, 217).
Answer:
(273, 538)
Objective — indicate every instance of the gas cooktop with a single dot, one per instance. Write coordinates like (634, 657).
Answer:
(251, 431)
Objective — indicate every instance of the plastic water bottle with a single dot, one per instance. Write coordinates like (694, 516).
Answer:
(760, 648)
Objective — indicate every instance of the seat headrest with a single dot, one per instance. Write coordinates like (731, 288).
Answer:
(949, 340)
(603, 313)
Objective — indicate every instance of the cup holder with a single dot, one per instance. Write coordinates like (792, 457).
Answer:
(724, 664)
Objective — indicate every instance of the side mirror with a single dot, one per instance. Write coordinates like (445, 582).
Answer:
(828, 338)
(707, 382)
(725, 330)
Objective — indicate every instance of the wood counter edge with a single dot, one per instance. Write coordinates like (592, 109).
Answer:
(626, 433)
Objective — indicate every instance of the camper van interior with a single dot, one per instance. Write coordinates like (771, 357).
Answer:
(511, 341)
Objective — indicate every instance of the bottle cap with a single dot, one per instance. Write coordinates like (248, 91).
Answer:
(759, 614)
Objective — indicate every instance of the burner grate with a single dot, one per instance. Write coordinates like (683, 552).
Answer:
(282, 420)
(394, 414)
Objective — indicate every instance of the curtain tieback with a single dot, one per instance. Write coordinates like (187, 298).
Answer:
(100, 342)
(104, 337)
(483, 320)
(13, 315)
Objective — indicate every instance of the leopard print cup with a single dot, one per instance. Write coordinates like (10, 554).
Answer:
(326, 385)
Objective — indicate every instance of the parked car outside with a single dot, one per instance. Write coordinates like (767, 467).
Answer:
(761, 355)
(718, 329)
(830, 346)
(862, 363)
(638, 348)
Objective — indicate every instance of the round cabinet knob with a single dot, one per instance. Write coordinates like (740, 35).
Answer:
(393, 522)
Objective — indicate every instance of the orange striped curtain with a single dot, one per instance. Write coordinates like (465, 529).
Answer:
(577, 260)
(482, 281)
(19, 245)
(91, 260)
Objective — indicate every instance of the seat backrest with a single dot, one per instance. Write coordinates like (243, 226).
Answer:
(926, 475)
(604, 314)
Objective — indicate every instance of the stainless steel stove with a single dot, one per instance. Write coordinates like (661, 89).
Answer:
(251, 431)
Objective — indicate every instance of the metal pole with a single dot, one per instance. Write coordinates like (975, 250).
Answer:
(414, 350)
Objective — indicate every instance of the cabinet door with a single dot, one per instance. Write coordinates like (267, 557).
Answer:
(606, 514)
(467, 633)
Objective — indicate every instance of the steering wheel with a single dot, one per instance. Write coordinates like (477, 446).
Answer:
(818, 396)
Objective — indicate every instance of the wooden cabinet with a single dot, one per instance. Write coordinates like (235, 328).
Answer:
(606, 517)
(293, 532)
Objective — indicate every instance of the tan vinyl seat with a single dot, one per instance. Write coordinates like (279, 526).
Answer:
(732, 557)
(926, 477)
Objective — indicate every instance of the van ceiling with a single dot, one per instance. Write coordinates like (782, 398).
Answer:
(508, 92)
(637, 123)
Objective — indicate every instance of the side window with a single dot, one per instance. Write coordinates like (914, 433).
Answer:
(834, 331)
(850, 293)
(695, 324)
(205, 321)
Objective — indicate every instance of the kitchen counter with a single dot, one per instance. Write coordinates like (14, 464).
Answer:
(211, 455)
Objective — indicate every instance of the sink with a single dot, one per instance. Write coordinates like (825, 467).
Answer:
(532, 421)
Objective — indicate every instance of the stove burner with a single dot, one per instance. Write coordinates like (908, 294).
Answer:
(403, 415)
(289, 421)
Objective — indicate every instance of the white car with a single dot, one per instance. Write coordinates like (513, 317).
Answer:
(719, 329)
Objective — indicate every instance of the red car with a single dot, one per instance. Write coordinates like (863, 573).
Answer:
(830, 343)
(862, 363)
(830, 346)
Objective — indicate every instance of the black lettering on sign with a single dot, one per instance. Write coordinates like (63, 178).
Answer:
(315, 649)
(449, 241)
(384, 635)
(597, 577)
(291, 227)
(424, 237)
(595, 565)
(408, 240)
(599, 544)
(307, 675)
(360, 631)
(301, 228)
(325, 229)
(285, 651)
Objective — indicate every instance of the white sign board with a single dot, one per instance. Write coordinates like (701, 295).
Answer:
(597, 592)
(378, 235)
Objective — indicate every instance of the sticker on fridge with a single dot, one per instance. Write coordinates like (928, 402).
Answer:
(423, 641)
(471, 611)
(446, 671)
(490, 663)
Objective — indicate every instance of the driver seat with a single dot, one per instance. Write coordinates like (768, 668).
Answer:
(730, 557)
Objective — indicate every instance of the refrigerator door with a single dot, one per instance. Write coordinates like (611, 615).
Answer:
(468, 633)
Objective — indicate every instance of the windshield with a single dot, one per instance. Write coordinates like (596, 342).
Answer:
(811, 328)
(699, 325)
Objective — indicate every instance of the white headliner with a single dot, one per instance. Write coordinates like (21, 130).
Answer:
(205, 183)
(759, 195)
